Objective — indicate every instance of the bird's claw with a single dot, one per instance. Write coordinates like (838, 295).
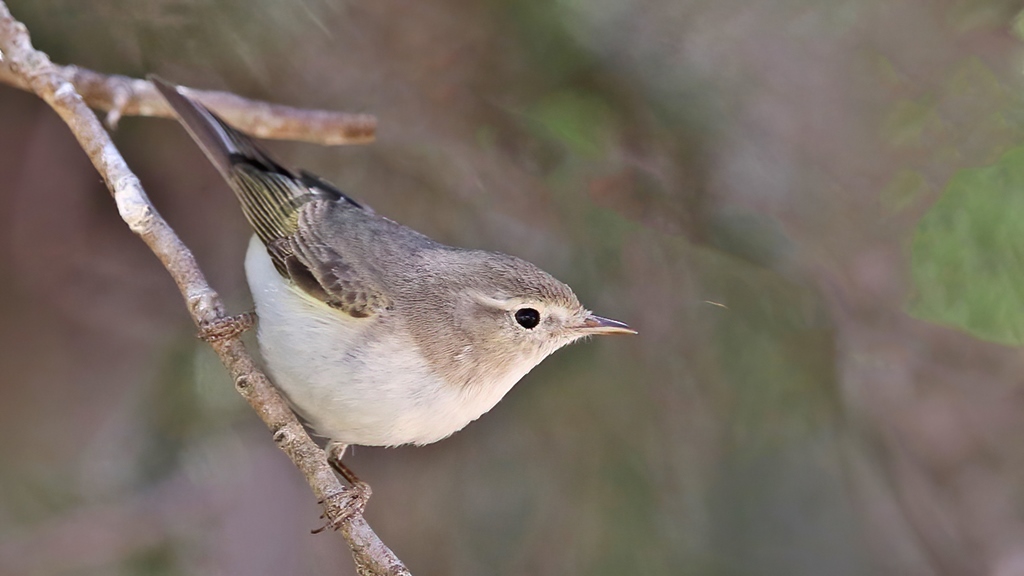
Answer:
(342, 506)
(227, 327)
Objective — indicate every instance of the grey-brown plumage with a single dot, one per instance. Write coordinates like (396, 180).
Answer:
(377, 334)
(274, 200)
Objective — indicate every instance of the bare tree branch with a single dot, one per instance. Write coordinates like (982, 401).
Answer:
(55, 85)
(123, 96)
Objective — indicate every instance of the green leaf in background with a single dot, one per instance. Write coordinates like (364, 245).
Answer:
(578, 120)
(968, 253)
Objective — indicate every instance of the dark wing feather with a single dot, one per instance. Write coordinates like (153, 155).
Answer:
(274, 199)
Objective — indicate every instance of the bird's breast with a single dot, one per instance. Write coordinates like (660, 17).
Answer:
(356, 380)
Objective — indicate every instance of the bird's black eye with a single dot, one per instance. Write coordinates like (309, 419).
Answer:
(527, 317)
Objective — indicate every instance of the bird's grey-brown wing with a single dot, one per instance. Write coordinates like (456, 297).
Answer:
(284, 209)
(317, 266)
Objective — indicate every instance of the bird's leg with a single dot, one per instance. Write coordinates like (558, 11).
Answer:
(350, 501)
(227, 327)
(335, 450)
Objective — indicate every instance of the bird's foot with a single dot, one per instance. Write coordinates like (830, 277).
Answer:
(340, 507)
(227, 327)
(350, 501)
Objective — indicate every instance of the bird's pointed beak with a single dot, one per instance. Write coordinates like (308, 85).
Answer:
(594, 324)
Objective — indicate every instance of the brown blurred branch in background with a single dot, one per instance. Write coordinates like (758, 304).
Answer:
(32, 70)
(123, 96)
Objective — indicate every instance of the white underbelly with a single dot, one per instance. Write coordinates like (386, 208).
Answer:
(351, 382)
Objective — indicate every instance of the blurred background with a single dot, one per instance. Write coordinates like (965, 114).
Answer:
(812, 210)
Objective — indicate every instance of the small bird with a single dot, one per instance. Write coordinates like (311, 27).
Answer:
(376, 334)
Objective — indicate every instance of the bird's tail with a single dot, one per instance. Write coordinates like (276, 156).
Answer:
(270, 194)
(221, 143)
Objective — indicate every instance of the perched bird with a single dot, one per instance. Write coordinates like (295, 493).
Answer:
(376, 334)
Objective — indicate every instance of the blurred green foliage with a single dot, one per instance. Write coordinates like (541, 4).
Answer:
(968, 253)
(578, 120)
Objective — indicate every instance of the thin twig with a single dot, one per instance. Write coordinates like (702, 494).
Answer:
(123, 96)
(54, 85)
